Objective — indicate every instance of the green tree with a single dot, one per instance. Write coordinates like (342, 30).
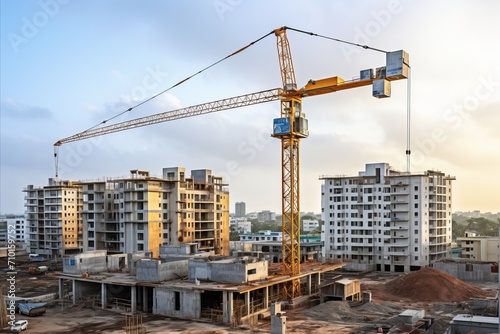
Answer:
(261, 226)
(234, 236)
(481, 225)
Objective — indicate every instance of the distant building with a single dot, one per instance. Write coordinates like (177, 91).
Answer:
(19, 226)
(479, 248)
(54, 218)
(261, 236)
(142, 212)
(387, 220)
(310, 249)
(240, 225)
(309, 225)
(240, 209)
(266, 216)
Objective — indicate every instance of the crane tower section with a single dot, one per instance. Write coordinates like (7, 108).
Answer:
(290, 128)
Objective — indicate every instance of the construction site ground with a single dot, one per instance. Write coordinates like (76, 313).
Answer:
(441, 296)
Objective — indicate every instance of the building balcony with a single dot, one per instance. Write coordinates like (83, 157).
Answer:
(399, 261)
(400, 243)
(112, 240)
(400, 208)
(399, 227)
(401, 234)
(399, 219)
(400, 200)
(362, 244)
(398, 252)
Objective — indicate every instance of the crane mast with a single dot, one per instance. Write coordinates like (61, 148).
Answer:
(285, 130)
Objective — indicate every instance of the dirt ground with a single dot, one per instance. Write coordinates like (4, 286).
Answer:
(331, 317)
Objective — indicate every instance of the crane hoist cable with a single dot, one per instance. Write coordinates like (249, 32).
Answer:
(408, 121)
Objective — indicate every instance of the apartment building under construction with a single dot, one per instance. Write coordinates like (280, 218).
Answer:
(53, 216)
(143, 212)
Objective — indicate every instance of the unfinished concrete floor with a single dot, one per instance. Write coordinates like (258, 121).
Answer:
(330, 317)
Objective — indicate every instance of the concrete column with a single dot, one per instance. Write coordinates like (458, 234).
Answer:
(144, 299)
(318, 280)
(133, 299)
(266, 297)
(247, 302)
(61, 288)
(309, 281)
(227, 306)
(74, 292)
(104, 296)
(155, 306)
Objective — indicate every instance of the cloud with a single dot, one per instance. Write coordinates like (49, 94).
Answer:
(13, 110)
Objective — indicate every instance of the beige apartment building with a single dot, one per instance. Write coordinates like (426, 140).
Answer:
(479, 248)
(53, 217)
(143, 212)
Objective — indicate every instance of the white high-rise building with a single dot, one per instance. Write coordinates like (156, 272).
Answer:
(387, 220)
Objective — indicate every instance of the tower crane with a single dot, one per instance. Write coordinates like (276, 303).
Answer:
(289, 128)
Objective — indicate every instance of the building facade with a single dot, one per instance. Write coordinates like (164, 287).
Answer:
(18, 225)
(265, 235)
(240, 209)
(309, 225)
(387, 220)
(142, 213)
(53, 217)
(240, 225)
(479, 248)
(266, 216)
(310, 248)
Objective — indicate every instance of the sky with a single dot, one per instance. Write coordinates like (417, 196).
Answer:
(67, 65)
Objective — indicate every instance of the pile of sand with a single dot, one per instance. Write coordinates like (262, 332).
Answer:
(432, 285)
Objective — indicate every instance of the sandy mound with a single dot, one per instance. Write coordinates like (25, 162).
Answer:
(432, 285)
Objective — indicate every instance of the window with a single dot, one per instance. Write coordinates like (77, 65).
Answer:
(177, 300)
(140, 236)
